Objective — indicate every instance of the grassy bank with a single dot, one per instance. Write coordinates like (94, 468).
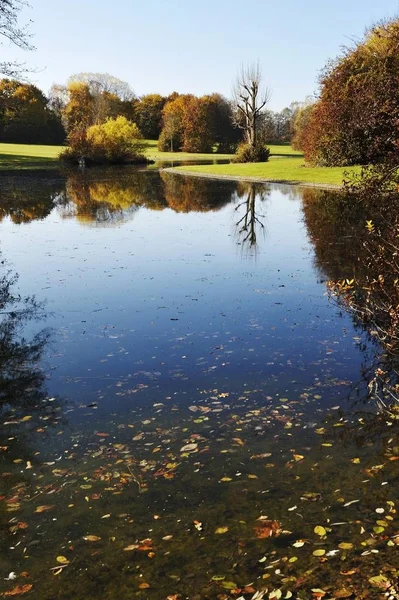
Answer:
(26, 156)
(288, 168)
(285, 163)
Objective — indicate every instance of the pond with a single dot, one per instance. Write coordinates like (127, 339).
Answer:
(185, 406)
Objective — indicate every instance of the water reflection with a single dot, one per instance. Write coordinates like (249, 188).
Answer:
(21, 376)
(26, 198)
(251, 223)
(205, 394)
(359, 262)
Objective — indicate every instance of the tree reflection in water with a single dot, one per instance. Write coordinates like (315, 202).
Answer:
(251, 223)
(356, 248)
(21, 378)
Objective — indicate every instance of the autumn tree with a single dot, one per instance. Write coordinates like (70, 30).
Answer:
(301, 125)
(25, 115)
(355, 120)
(171, 138)
(78, 113)
(148, 115)
(193, 124)
(11, 31)
(225, 136)
(90, 99)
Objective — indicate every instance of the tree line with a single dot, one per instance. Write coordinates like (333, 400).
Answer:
(181, 122)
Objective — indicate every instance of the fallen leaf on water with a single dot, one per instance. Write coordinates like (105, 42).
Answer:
(343, 593)
(229, 585)
(189, 448)
(221, 530)
(91, 538)
(44, 507)
(267, 529)
(298, 457)
(320, 552)
(319, 529)
(345, 545)
(19, 589)
(238, 441)
(144, 586)
(131, 547)
(63, 560)
(380, 581)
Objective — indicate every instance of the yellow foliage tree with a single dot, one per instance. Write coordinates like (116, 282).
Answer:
(115, 141)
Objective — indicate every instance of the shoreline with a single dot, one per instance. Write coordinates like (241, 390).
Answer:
(326, 186)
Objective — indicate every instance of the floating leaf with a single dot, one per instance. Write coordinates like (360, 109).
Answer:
(44, 508)
(63, 560)
(229, 585)
(345, 546)
(189, 448)
(91, 538)
(221, 530)
(267, 528)
(380, 581)
(319, 529)
(19, 589)
(319, 552)
(378, 529)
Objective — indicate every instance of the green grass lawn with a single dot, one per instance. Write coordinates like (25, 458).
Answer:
(285, 163)
(153, 153)
(27, 156)
(278, 168)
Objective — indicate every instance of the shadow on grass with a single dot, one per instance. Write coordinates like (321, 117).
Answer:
(12, 161)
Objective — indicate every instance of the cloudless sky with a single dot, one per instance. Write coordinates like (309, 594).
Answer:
(194, 46)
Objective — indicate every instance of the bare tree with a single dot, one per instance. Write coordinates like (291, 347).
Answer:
(10, 30)
(250, 98)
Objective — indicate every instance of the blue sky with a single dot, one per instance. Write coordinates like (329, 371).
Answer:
(190, 46)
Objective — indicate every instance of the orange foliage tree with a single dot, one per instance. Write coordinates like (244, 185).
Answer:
(355, 120)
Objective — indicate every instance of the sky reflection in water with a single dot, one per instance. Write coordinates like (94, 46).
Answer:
(170, 327)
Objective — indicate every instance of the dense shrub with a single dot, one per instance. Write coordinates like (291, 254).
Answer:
(248, 153)
(355, 120)
(115, 141)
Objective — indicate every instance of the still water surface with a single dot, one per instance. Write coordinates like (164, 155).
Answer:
(197, 405)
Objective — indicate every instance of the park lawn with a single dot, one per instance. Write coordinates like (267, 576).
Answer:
(285, 163)
(28, 156)
(152, 152)
(278, 169)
